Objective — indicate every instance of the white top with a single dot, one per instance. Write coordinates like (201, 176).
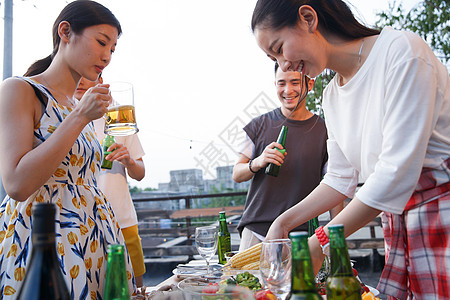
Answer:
(390, 120)
(113, 183)
(247, 147)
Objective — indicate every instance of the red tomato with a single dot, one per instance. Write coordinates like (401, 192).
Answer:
(211, 288)
(264, 295)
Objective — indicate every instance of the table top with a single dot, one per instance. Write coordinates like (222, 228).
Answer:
(175, 279)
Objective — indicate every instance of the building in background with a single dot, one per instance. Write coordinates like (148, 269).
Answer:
(190, 182)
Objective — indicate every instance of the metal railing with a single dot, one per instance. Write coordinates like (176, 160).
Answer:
(177, 240)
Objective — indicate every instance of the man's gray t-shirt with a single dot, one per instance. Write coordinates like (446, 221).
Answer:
(300, 173)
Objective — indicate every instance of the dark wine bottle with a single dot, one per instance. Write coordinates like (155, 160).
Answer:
(116, 284)
(224, 238)
(342, 283)
(107, 142)
(43, 277)
(303, 286)
(273, 169)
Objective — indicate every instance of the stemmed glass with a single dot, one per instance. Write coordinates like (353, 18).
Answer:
(275, 266)
(206, 243)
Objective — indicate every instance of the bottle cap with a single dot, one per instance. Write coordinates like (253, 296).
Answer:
(298, 234)
(336, 227)
(115, 248)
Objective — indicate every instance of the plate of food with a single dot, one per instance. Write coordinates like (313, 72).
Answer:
(245, 260)
(241, 286)
(198, 288)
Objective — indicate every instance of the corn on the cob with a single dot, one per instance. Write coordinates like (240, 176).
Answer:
(240, 259)
(251, 266)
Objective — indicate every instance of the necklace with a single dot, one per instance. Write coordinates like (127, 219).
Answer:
(70, 100)
(341, 79)
(359, 54)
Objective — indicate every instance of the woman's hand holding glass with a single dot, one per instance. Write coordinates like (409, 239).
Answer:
(94, 103)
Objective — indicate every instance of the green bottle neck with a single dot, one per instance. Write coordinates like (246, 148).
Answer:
(282, 137)
(313, 224)
(223, 227)
(340, 259)
(109, 140)
(302, 279)
(116, 254)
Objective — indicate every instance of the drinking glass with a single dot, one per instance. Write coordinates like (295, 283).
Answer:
(120, 119)
(275, 266)
(206, 243)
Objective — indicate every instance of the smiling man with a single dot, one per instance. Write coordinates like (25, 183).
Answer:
(302, 164)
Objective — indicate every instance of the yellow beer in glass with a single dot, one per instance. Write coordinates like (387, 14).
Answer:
(120, 119)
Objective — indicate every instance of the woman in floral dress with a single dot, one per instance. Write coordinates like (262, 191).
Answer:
(49, 153)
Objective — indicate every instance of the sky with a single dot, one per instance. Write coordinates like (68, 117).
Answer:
(197, 73)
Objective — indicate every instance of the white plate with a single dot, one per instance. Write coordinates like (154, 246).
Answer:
(374, 291)
(197, 270)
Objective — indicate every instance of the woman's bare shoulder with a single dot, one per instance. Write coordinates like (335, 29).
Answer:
(17, 89)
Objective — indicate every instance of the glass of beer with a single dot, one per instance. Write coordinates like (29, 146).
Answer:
(120, 119)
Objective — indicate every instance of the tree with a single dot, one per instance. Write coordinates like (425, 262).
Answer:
(314, 98)
(430, 19)
(134, 190)
(137, 190)
(223, 201)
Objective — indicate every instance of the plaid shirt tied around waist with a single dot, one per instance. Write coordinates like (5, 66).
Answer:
(417, 241)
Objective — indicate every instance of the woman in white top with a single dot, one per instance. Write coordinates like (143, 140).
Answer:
(387, 114)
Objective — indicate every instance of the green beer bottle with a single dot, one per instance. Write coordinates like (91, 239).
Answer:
(342, 283)
(116, 284)
(313, 224)
(303, 286)
(324, 272)
(273, 169)
(224, 238)
(107, 141)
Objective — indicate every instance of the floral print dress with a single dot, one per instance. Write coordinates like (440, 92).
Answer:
(85, 222)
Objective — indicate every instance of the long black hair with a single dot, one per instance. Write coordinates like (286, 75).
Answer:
(334, 17)
(80, 14)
